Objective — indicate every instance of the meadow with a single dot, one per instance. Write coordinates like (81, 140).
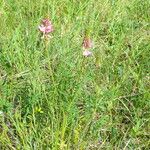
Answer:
(54, 98)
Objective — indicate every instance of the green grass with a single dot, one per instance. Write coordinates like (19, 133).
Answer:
(52, 98)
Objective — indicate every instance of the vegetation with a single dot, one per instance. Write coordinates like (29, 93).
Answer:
(54, 98)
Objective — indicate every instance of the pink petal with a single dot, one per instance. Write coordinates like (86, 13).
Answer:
(46, 22)
(87, 43)
(42, 28)
(87, 53)
(49, 29)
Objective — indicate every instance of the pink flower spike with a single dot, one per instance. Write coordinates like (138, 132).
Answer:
(46, 26)
(87, 43)
(42, 28)
(87, 53)
(46, 22)
(48, 29)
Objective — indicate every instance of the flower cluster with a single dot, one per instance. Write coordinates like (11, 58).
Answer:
(46, 28)
(87, 44)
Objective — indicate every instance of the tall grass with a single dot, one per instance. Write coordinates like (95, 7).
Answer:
(51, 97)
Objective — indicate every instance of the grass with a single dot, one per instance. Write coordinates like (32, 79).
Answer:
(51, 97)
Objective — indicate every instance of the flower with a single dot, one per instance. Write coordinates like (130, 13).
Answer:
(87, 53)
(46, 26)
(87, 43)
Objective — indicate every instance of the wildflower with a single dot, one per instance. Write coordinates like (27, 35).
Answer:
(87, 53)
(39, 110)
(87, 44)
(46, 26)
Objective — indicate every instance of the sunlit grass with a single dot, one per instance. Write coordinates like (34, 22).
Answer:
(52, 97)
